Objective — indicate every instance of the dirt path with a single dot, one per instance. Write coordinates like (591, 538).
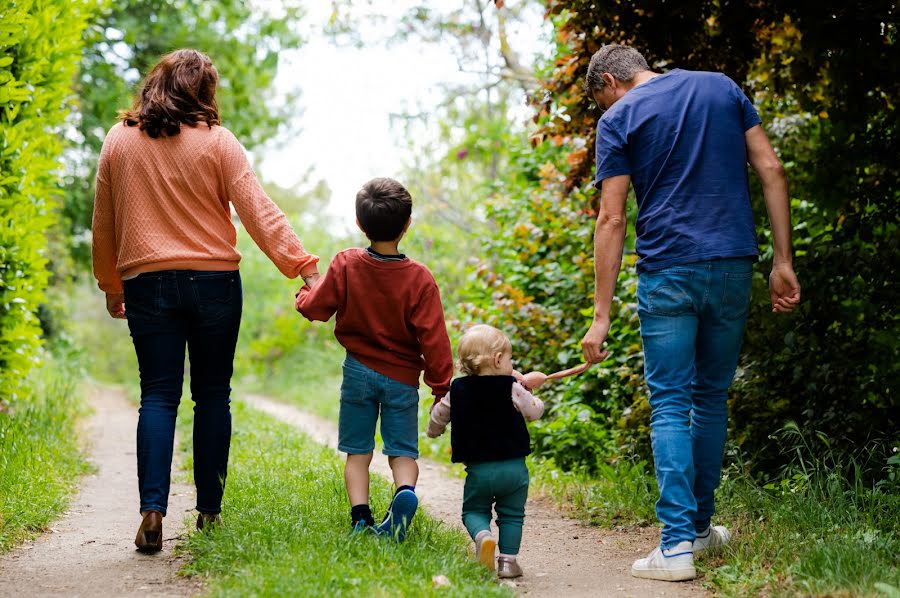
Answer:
(90, 551)
(560, 556)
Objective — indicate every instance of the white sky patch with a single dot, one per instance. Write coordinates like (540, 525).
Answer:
(347, 97)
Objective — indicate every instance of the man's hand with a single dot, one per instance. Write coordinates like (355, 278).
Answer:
(592, 343)
(784, 289)
(115, 305)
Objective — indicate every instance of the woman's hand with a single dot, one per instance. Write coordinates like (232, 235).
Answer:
(115, 305)
(311, 281)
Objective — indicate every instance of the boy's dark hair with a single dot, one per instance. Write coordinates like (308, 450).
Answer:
(383, 207)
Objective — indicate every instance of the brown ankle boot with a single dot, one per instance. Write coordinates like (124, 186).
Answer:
(208, 521)
(149, 535)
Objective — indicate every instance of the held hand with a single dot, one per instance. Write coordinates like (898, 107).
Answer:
(312, 280)
(115, 305)
(784, 289)
(592, 343)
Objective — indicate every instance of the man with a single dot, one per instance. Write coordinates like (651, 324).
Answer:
(684, 138)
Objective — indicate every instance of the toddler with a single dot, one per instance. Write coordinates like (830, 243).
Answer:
(488, 434)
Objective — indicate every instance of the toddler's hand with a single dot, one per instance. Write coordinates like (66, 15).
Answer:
(533, 380)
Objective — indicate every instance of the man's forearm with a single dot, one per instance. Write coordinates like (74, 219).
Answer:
(765, 162)
(609, 241)
(775, 191)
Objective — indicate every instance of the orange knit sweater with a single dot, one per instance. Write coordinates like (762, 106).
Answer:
(163, 204)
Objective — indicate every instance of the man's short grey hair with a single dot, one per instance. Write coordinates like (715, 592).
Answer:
(622, 62)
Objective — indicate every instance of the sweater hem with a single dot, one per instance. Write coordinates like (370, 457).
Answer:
(202, 265)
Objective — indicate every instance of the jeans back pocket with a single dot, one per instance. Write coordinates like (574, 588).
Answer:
(736, 295)
(666, 293)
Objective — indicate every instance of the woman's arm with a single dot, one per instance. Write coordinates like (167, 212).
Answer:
(263, 219)
(103, 243)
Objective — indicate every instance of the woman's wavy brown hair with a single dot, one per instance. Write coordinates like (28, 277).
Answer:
(180, 89)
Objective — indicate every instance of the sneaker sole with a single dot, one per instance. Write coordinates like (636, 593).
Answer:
(665, 574)
(486, 556)
(403, 508)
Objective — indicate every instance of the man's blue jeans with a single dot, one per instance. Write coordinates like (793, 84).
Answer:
(692, 325)
(168, 311)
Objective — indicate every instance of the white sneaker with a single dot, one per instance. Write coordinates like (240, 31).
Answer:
(712, 538)
(672, 564)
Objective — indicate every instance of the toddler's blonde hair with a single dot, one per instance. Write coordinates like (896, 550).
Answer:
(478, 346)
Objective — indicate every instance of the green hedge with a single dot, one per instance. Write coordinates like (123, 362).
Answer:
(40, 46)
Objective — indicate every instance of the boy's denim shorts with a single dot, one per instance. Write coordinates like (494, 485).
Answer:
(363, 392)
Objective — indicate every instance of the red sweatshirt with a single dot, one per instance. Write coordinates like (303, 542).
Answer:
(389, 317)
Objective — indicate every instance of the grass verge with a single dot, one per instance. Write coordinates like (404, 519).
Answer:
(40, 456)
(287, 522)
(817, 531)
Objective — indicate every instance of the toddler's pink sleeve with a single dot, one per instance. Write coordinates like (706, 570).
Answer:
(527, 404)
(440, 417)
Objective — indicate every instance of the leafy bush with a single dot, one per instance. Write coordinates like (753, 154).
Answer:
(537, 285)
(40, 45)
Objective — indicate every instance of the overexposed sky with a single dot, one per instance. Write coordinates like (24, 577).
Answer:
(347, 97)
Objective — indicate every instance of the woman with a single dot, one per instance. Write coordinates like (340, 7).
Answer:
(164, 247)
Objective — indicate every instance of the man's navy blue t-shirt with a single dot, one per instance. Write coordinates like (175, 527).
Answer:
(680, 136)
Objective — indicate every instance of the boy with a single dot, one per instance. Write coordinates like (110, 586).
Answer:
(391, 322)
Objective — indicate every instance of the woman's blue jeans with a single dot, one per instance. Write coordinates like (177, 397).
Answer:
(168, 311)
(692, 325)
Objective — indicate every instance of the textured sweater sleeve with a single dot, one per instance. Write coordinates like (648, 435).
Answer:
(439, 418)
(103, 228)
(323, 301)
(527, 404)
(263, 219)
(431, 331)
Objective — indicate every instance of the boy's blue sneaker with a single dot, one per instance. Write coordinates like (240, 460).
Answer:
(399, 515)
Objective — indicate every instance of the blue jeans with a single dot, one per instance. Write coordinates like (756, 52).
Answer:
(363, 393)
(692, 325)
(167, 311)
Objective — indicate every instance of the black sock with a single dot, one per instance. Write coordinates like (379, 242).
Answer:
(361, 513)
(413, 488)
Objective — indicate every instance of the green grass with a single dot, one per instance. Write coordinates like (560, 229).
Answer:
(819, 531)
(287, 521)
(40, 453)
(621, 494)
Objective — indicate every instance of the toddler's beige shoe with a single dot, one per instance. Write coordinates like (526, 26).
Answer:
(485, 549)
(508, 568)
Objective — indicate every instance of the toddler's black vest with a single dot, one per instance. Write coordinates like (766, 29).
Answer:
(484, 423)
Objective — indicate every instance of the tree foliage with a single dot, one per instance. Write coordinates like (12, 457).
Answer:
(40, 45)
(826, 79)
